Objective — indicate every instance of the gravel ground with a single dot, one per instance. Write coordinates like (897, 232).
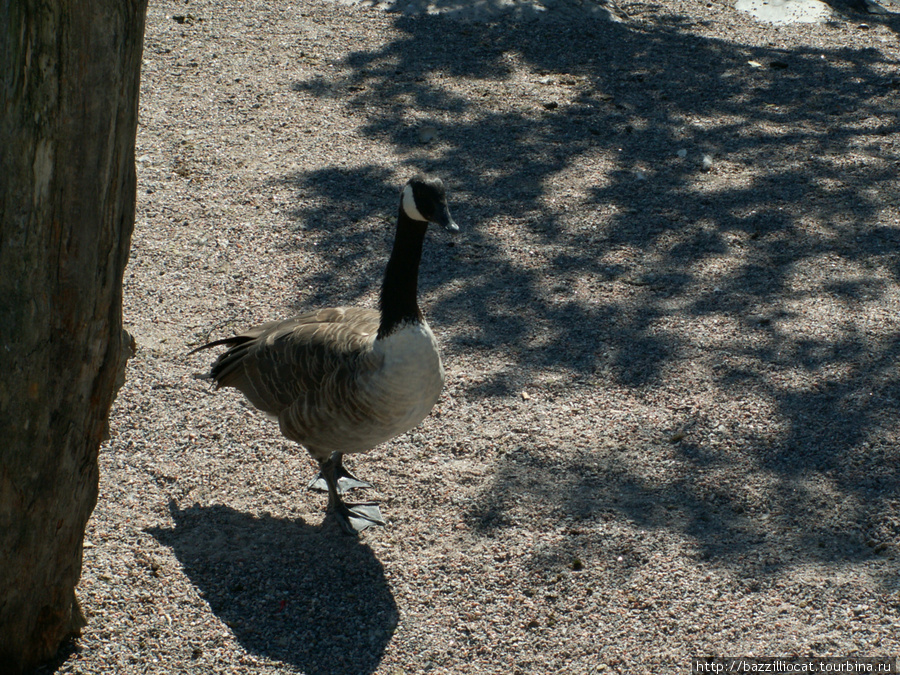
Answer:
(671, 329)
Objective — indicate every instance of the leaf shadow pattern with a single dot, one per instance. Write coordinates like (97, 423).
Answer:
(795, 219)
(288, 591)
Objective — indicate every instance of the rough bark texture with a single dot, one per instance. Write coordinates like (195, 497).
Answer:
(69, 74)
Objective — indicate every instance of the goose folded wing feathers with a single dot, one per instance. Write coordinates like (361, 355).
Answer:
(312, 354)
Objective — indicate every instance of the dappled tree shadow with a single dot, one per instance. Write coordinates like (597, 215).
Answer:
(291, 592)
(796, 139)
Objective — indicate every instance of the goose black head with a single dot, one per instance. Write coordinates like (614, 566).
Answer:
(425, 200)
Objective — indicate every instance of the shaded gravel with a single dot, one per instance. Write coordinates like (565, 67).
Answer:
(670, 328)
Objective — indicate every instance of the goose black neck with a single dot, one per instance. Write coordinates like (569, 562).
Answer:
(398, 302)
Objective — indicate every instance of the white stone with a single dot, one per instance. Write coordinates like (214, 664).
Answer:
(785, 11)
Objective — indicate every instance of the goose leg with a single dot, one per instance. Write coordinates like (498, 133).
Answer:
(353, 518)
(346, 481)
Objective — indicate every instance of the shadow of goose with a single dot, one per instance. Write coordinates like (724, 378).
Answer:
(289, 591)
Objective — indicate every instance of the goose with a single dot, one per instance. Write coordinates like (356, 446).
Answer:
(346, 379)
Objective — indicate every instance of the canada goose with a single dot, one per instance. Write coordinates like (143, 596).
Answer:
(344, 379)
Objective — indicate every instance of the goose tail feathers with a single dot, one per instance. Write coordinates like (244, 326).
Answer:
(229, 358)
(233, 340)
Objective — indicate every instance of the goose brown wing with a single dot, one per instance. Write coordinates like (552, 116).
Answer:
(276, 363)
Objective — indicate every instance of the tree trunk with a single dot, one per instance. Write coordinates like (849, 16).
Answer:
(69, 75)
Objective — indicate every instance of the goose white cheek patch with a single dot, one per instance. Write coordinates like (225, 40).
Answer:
(409, 205)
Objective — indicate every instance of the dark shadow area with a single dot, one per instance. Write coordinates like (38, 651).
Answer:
(754, 533)
(314, 599)
(70, 647)
(802, 144)
(860, 10)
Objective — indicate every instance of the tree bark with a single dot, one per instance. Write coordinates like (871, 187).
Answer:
(69, 76)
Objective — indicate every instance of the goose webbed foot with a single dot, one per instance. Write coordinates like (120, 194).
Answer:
(354, 518)
(345, 481)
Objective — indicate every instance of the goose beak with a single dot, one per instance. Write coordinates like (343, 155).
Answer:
(445, 220)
